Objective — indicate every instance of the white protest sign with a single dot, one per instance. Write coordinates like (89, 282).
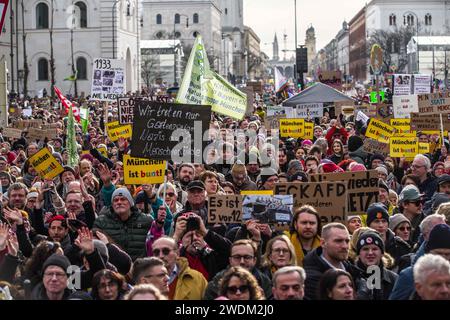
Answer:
(422, 83)
(402, 84)
(361, 116)
(108, 79)
(404, 105)
(309, 110)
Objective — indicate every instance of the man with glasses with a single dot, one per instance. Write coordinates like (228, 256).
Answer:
(184, 283)
(267, 179)
(421, 167)
(411, 204)
(151, 270)
(243, 254)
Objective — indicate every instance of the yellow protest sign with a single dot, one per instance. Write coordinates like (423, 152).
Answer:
(309, 131)
(293, 128)
(434, 132)
(103, 151)
(403, 147)
(257, 192)
(46, 164)
(116, 131)
(143, 171)
(379, 130)
(424, 147)
(401, 125)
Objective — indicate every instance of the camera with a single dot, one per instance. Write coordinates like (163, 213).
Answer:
(192, 224)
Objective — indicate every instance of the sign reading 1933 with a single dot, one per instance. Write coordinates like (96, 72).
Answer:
(108, 79)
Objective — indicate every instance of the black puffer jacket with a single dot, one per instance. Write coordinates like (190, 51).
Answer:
(382, 292)
(396, 246)
(129, 235)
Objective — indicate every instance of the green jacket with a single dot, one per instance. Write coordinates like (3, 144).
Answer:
(130, 235)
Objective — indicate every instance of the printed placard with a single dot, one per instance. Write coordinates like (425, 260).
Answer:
(424, 147)
(143, 171)
(108, 79)
(309, 131)
(225, 209)
(309, 110)
(401, 125)
(294, 128)
(403, 147)
(46, 164)
(116, 130)
(268, 209)
(422, 83)
(402, 84)
(379, 131)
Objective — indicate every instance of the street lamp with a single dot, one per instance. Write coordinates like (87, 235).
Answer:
(174, 51)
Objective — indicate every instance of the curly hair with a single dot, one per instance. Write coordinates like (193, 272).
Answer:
(245, 276)
(33, 266)
(111, 275)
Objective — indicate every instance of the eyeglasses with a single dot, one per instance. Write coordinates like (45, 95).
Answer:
(404, 228)
(273, 180)
(170, 194)
(58, 275)
(246, 258)
(241, 289)
(165, 251)
(280, 251)
(416, 203)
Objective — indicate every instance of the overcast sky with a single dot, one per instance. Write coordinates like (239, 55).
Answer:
(266, 17)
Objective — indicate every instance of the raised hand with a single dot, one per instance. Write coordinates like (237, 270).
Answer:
(12, 244)
(104, 173)
(4, 228)
(84, 241)
(252, 227)
(102, 237)
(13, 215)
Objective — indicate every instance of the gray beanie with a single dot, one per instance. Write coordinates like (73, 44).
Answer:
(102, 249)
(396, 220)
(124, 193)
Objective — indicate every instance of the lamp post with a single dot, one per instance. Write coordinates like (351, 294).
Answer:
(174, 49)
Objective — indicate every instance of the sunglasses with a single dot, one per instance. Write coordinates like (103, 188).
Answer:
(165, 251)
(170, 194)
(404, 228)
(417, 203)
(234, 289)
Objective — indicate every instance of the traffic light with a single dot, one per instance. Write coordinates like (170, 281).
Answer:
(302, 59)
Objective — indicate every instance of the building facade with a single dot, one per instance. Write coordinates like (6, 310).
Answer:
(358, 47)
(310, 44)
(342, 48)
(253, 57)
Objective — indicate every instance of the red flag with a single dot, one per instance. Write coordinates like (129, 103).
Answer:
(67, 104)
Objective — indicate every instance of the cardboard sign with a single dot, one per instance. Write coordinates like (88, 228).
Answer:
(328, 198)
(268, 209)
(108, 79)
(362, 188)
(309, 110)
(225, 209)
(116, 130)
(401, 125)
(39, 134)
(273, 122)
(168, 131)
(46, 164)
(23, 124)
(143, 171)
(424, 147)
(431, 122)
(404, 105)
(403, 147)
(379, 131)
(434, 103)
(294, 128)
(309, 131)
(12, 133)
(126, 110)
(373, 146)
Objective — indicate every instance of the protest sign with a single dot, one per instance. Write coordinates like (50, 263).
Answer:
(168, 131)
(116, 130)
(384, 112)
(377, 98)
(362, 117)
(256, 192)
(46, 164)
(143, 171)
(424, 147)
(273, 122)
(308, 131)
(404, 105)
(309, 110)
(362, 188)
(373, 146)
(23, 124)
(328, 198)
(421, 122)
(403, 147)
(379, 131)
(294, 128)
(434, 103)
(268, 209)
(402, 84)
(225, 209)
(12, 133)
(368, 109)
(126, 107)
(108, 79)
(401, 125)
(275, 111)
(422, 83)
(35, 134)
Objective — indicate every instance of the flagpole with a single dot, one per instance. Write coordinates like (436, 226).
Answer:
(442, 130)
(165, 182)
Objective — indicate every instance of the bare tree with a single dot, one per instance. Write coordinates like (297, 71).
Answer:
(151, 70)
(52, 58)
(26, 71)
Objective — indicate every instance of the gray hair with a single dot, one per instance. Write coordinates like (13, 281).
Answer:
(425, 159)
(160, 191)
(429, 222)
(286, 270)
(428, 264)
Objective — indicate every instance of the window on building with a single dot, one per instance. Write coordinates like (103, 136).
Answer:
(42, 16)
(428, 21)
(177, 35)
(408, 20)
(195, 34)
(177, 18)
(158, 19)
(128, 8)
(195, 17)
(392, 20)
(142, 22)
(83, 14)
(43, 69)
(82, 68)
(226, 11)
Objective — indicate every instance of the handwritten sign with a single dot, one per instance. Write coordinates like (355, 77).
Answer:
(12, 133)
(46, 164)
(431, 122)
(434, 103)
(373, 146)
(108, 79)
(143, 171)
(309, 110)
(404, 105)
(116, 130)
(379, 130)
(225, 209)
(126, 110)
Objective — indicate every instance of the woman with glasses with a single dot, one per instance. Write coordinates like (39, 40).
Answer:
(401, 226)
(171, 197)
(108, 285)
(279, 253)
(239, 284)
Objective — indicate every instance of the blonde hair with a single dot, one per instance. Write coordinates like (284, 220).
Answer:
(266, 262)
(143, 289)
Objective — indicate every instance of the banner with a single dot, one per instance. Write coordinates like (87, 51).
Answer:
(268, 209)
(402, 84)
(143, 171)
(422, 83)
(373, 146)
(379, 130)
(309, 110)
(126, 107)
(46, 164)
(202, 86)
(294, 128)
(108, 79)
(328, 198)
(403, 147)
(404, 105)
(280, 80)
(362, 188)
(115, 131)
(225, 209)
(168, 131)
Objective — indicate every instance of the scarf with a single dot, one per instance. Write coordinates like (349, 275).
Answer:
(298, 246)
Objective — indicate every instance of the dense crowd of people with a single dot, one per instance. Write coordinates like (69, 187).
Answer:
(87, 235)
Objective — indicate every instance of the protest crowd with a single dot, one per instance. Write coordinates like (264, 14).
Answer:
(78, 223)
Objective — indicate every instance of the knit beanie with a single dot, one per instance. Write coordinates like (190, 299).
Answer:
(268, 172)
(396, 220)
(354, 143)
(382, 169)
(354, 167)
(56, 260)
(376, 211)
(330, 167)
(383, 185)
(295, 164)
(238, 169)
(367, 238)
(124, 193)
(439, 238)
(377, 156)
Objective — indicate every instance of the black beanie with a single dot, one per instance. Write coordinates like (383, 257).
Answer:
(383, 185)
(439, 238)
(376, 156)
(376, 211)
(354, 143)
(367, 238)
(56, 260)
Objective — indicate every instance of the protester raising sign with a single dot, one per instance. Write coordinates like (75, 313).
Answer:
(403, 147)
(310, 110)
(379, 131)
(373, 146)
(108, 79)
(168, 131)
(225, 209)
(268, 209)
(126, 112)
(434, 103)
(404, 105)
(116, 130)
(143, 171)
(328, 198)
(46, 164)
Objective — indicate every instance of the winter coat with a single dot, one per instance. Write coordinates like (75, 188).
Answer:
(388, 279)
(191, 284)
(130, 235)
(428, 187)
(396, 246)
(359, 155)
(39, 293)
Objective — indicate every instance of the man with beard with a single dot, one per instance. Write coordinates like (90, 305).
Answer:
(67, 176)
(186, 173)
(304, 232)
(288, 283)
(17, 194)
(240, 178)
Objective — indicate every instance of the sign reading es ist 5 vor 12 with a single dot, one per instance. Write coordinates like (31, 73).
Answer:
(108, 79)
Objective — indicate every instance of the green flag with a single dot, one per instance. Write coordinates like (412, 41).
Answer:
(71, 141)
(84, 115)
(201, 85)
(72, 77)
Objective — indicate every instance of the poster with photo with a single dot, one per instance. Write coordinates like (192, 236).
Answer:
(402, 84)
(268, 209)
(108, 79)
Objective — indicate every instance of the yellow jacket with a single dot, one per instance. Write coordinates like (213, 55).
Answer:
(298, 246)
(191, 284)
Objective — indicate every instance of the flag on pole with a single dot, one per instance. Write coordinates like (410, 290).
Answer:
(280, 80)
(201, 85)
(72, 77)
(84, 114)
(71, 141)
(67, 104)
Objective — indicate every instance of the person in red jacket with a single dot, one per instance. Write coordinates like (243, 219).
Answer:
(336, 131)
